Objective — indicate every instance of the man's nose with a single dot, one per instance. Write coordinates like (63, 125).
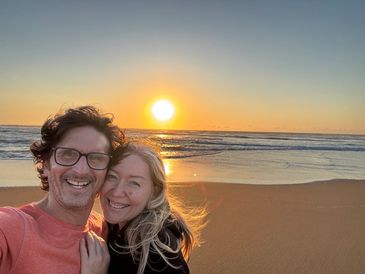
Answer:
(82, 166)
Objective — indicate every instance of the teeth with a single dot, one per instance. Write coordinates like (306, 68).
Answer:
(77, 184)
(117, 205)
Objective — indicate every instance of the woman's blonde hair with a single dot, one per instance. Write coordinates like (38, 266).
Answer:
(142, 233)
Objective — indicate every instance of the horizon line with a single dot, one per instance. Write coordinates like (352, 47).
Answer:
(216, 130)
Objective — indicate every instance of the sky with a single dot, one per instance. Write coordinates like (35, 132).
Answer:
(286, 66)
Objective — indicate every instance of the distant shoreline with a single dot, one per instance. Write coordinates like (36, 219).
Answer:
(22, 173)
(224, 131)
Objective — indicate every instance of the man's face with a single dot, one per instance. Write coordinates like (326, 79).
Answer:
(75, 187)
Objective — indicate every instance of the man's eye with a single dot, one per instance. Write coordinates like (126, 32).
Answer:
(68, 153)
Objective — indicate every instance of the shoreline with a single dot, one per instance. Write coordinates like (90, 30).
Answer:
(315, 227)
(23, 172)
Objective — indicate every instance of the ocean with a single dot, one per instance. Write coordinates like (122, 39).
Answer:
(217, 156)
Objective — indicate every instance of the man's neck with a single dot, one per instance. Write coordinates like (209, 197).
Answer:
(75, 216)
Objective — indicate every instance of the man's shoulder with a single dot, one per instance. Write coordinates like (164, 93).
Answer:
(12, 221)
(11, 214)
(15, 218)
(22, 212)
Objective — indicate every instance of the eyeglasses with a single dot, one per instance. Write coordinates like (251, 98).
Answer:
(68, 157)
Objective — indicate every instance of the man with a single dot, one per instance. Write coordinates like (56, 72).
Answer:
(72, 159)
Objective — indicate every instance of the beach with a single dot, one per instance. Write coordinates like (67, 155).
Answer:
(316, 227)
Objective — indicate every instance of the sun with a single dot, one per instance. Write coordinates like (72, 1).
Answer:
(163, 110)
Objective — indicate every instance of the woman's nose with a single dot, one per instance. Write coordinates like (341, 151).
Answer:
(119, 190)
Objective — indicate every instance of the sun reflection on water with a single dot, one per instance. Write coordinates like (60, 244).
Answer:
(161, 136)
(167, 166)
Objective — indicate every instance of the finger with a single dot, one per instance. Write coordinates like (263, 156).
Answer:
(83, 250)
(102, 246)
(91, 245)
(96, 242)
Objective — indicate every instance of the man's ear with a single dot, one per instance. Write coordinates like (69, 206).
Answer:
(46, 168)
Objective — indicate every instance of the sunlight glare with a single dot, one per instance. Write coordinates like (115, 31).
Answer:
(163, 110)
(167, 168)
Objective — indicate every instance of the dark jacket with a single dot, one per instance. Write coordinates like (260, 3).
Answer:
(123, 263)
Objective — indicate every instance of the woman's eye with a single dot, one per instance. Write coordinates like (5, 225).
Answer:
(135, 183)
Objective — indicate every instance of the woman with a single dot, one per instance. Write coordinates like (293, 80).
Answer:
(148, 231)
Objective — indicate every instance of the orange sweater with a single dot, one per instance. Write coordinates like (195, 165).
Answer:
(31, 241)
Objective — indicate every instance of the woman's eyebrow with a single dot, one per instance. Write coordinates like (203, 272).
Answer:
(137, 176)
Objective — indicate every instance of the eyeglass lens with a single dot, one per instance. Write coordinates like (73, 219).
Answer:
(69, 157)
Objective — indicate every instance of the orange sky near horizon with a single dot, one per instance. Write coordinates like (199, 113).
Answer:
(133, 109)
(199, 105)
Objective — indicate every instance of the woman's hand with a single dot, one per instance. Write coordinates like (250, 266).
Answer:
(94, 254)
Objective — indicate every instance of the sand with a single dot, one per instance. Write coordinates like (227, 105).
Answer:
(316, 227)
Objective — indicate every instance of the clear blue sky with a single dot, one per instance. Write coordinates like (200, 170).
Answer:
(230, 65)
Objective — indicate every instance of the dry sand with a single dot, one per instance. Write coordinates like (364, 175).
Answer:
(308, 228)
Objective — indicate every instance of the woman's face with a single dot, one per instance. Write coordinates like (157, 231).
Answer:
(127, 190)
